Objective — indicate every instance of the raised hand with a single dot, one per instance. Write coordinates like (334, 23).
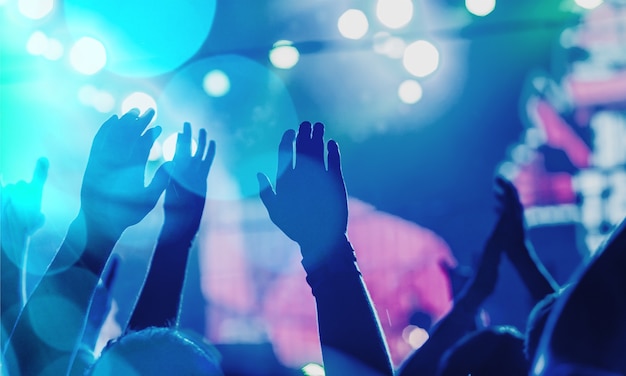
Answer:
(113, 195)
(510, 235)
(310, 206)
(186, 191)
(21, 207)
(510, 231)
(309, 203)
(184, 203)
(21, 217)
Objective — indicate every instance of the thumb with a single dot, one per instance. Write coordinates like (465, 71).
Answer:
(265, 191)
(157, 185)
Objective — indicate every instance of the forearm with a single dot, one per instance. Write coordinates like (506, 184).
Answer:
(460, 321)
(50, 326)
(532, 272)
(160, 297)
(10, 293)
(351, 337)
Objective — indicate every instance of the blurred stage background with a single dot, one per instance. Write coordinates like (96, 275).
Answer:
(427, 99)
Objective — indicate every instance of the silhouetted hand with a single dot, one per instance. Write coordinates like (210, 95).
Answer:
(309, 203)
(113, 194)
(186, 192)
(21, 207)
(510, 230)
(510, 235)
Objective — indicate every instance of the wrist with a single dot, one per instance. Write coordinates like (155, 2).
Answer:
(87, 245)
(327, 255)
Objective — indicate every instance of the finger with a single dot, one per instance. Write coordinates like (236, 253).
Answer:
(317, 144)
(183, 142)
(210, 155)
(145, 143)
(285, 152)
(201, 144)
(40, 174)
(130, 116)
(145, 119)
(334, 158)
(303, 142)
(265, 191)
(111, 273)
(156, 187)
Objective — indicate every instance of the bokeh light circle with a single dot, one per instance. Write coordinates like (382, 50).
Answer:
(353, 24)
(88, 56)
(410, 91)
(283, 55)
(37, 43)
(141, 101)
(143, 38)
(394, 13)
(247, 124)
(168, 148)
(589, 4)
(216, 83)
(35, 9)
(421, 58)
(480, 7)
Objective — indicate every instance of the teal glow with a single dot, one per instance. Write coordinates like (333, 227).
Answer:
(143, 38)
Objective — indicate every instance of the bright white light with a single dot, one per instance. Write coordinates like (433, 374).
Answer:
(35, 9)
(141, 101)
(410, 91)
(104, 102)
(37, 44)
(417, 337)
(168, 148)
(588, 4)
(284, 55)
(480, 7)
(313, 369)
(54, 51)
(88, 56)
(353, 24)
(394, 13)
(421, 58)
(216, 83)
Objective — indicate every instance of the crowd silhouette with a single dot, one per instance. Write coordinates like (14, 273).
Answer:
(577, 329)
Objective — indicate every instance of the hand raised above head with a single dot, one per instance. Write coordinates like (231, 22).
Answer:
(186, 191)
(309, 202)
(510, 229)
(21, 203)
(113, 193)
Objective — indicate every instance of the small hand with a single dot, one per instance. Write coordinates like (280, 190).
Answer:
(113, 195)
(510, 229)
(310, 203)
(21, 207)
(186, 192)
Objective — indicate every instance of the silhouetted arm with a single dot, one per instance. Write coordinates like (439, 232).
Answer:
(113, 197)
(184, 202)
(21, 217)
(310, 206)
(460, 321)
(519, 250)
(586, 331)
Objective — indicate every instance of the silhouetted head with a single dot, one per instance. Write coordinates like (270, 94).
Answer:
(493, 351)
(537, 323)
(157, 351)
